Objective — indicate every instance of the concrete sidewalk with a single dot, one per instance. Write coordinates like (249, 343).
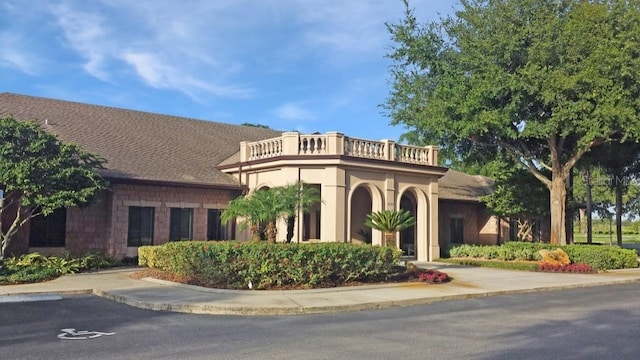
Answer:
(155, 294)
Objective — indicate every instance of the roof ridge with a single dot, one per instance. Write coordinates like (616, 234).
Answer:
(141, 112)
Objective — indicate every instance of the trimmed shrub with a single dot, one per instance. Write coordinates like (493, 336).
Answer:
(231, 264)
(505, 265)
(598, 257)
(602, 257)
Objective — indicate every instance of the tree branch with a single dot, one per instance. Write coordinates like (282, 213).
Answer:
(528, 163)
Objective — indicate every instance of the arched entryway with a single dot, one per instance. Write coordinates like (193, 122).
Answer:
(361, 206)
(408, 236)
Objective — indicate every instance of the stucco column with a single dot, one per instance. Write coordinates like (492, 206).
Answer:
(433, 217)
(389, 192)
(333, 208)
(422, 226)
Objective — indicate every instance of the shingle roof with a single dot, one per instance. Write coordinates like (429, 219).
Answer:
(148, 146)
(140, 145)
(456, 185)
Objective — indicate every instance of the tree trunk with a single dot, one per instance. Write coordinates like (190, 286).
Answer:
(271, 232)
(570, 209)
(558, 197)
(589, 200)
(390, 240)
(582, 215)
(254, 229)
(619, 189)
(291, 223)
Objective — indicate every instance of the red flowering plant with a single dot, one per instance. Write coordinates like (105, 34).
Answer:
(571, 268)
(433, 276)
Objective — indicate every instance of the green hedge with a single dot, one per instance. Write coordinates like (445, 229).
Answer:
(232, 264)
(598, 257)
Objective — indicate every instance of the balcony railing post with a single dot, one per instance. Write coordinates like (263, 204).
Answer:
(433, 155)
(243, 151)
(335, 143)
(290, 143)
(389, 149)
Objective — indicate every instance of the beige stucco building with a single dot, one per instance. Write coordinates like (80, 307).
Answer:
(355, 177)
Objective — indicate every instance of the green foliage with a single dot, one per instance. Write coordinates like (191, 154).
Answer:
(95, 261)
(598, 257)
(390, 221)
(63, 265)
(506, 265)
(602, 257)
(517, 193)
(231, 264)
(34, 267)
(261, 126)
(39, 174)
(544, 81)
(265, 207)
(297, 197)
(26, 274)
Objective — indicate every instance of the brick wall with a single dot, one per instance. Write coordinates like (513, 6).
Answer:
(162, 198)
(479, 226)
(103, 226)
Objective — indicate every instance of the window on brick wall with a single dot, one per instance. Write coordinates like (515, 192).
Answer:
(48, 231)
(216, 230)
(141, 220)
(181, 224)
(456, 228)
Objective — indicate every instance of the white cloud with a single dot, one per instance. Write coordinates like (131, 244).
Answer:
(86, 34)
(16, 57)
(164, 76)
(293, 112)
(209, 49)
(164, 44)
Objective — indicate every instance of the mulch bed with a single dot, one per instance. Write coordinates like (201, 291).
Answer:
(401, 277)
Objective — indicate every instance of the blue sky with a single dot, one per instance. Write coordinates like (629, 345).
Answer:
(306, 65)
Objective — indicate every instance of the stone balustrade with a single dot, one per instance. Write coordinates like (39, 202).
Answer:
(335, 143)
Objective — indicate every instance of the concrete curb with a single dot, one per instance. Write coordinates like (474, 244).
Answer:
(15, 298)
(212, 309)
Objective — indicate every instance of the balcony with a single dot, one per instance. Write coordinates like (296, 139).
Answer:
(335, 143)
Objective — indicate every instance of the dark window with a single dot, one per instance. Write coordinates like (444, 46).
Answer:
(457, 230)
(535, 230)
(513, 229)
(181, 225)
(48, 231)
(140, 226)
(215, 229)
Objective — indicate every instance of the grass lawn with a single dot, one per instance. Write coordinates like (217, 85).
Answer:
(607, 239)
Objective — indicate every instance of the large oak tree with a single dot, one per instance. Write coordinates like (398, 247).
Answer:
(544, 80)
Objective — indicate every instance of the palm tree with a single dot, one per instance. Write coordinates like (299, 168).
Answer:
(261, 210)
(295, 197)
(243, 207)
(390, 222)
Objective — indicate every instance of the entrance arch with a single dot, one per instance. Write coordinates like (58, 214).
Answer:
(364, 199)
(361, 204)
(408, 236)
